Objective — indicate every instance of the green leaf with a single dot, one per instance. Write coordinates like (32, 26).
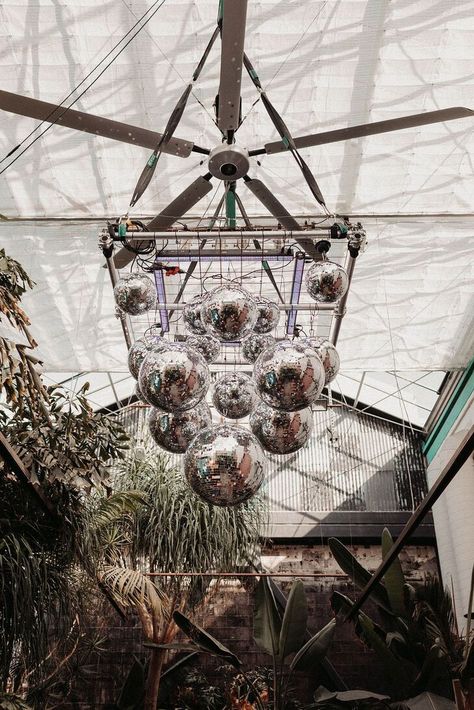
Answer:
(267, 619)
(205, 641)
(359, 575)
(429, 701)
(315, 649)
(133, 690)
(295, 619)
(394, 578)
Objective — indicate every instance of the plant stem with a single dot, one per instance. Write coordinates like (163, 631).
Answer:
(255, 691)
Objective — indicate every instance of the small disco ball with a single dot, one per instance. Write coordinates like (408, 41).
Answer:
(268, 315)
(174, 432)
(141, 348)
(225, 465)
(326, 281)
(289, 376)
(255, 344)
(281, 432)
(229, 312)
(234, 395)
(328, 354)
(207, 345)
(135, 294)
(192, 316)
(174, 379)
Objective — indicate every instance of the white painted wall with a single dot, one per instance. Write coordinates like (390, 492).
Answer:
(454, 516)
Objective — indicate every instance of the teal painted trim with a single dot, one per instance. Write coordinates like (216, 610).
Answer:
(451, 412)
(230, 209)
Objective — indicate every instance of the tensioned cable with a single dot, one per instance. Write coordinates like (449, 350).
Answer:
(160, 3)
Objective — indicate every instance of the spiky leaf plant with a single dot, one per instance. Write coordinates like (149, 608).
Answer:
(173, 532)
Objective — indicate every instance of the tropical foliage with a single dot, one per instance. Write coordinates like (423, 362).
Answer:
(171, 533)
(416, 639)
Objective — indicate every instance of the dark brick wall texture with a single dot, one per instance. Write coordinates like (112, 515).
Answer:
(229, 618)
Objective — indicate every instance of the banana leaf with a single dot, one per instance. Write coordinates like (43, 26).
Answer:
(133, 690)
(205, 641)
(267, 622)
(394, 578)
(295, 619)
(315, 649)
(359, 575)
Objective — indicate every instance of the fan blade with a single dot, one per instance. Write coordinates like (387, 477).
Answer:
(234, 14)
(274, 206)
(370, 129)
(174, 211)
(80, 121)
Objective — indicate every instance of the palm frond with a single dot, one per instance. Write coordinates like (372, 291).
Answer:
(131, 588)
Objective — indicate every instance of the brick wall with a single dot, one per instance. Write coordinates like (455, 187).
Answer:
(229, 618)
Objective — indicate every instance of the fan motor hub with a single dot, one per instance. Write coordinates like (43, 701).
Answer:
(229, 162)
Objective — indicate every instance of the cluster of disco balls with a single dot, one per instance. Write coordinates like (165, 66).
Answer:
(225, 464)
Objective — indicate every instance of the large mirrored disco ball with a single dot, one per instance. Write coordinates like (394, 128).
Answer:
(328, 354)
(234, 395)
(326, 281)
(229, 312)
(281, 432)
(289, 376)
(174, 379)
(141, 348)
(268, 315)
(225, 465)
(135, 294)
(255, 344)
(192, 316)
(174, 432)
(207, 345)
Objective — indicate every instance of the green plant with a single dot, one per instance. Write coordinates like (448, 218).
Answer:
(365, 700)
(279, 636)
(12, 702)
(173, 533)
(416, 638)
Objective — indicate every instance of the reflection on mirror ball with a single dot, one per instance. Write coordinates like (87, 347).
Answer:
(281, 432)
(174, 432)
(255, 344)
(328, 354)
(326, 281)
(289, 376)
(207, 345)
(141, 348)
(135, 294)
(192, 316)
(225, 465)
(234, 395)
(229, 312)
(175, 379)
(268, 315)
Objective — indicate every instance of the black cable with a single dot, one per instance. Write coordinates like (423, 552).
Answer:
(161, 3)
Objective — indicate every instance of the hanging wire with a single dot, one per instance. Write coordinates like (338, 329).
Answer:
(50, 125)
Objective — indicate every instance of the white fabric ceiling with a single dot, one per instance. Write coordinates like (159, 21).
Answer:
(326, 65)
(410, 305)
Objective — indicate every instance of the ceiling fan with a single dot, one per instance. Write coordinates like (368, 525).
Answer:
(228, 161)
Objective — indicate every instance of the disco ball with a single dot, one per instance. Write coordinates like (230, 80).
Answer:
(234, 395)
(140, 349)
(281, 432)
(326, 281)
(289, 376)
(207, 345)
(174, 432)
(225, 465)
(254, 344)
(174, 379)
(268, 315)
(229, 313)
(328, 354)
(135, 294)
(192, 316)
